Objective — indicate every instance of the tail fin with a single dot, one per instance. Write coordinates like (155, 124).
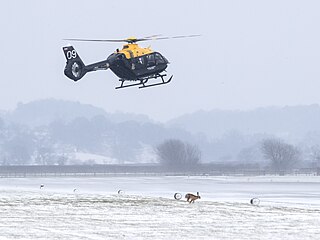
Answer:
(75, 68)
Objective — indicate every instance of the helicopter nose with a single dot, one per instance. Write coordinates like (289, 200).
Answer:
(115, 56)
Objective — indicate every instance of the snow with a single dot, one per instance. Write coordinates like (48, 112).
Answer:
(146, 209)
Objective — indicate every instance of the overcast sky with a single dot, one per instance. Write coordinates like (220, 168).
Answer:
(251, 53)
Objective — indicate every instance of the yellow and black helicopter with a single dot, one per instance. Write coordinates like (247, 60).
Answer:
(131, 63)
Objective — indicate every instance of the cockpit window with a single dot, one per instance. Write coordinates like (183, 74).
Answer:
(159, 58)
(151, 61)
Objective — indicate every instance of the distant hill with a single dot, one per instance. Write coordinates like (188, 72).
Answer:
(286, 122)
(43, 112)
(72, 131)
(289, 121)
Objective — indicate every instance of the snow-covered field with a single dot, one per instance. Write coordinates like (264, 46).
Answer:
(91, 208)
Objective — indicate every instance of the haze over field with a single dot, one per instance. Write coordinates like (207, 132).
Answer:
(65, 132)
(252, 74)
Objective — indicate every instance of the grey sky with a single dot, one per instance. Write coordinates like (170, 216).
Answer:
(251, 53)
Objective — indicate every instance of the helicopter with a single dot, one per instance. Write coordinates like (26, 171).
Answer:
(131, 64)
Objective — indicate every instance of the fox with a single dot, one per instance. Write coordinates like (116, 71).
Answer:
(191, 198)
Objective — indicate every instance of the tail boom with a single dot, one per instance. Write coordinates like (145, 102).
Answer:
(75, 69)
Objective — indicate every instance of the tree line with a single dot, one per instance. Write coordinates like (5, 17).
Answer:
(176, 149)
(281, 156)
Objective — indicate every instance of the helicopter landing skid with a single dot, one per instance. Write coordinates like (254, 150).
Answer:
(143, 82)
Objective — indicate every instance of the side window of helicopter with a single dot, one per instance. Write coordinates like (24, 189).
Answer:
(159, 59)
(139, 62)
(151, 61)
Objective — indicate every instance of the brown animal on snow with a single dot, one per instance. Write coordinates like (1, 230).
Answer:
(191, 198)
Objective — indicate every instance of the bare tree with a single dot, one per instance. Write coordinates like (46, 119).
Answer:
(283, 156)
(177, 155)
(193, 154)
(18, 151)
(250, 154)
(44, 155)
(315, 155)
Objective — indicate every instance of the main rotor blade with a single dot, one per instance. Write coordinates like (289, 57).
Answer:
(111, 40)
(128, 40)
(185, 36)
(95, 40)
(152, 36)
(131, 40)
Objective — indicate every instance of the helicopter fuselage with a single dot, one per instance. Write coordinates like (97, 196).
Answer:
(138, 67)
(132, 63)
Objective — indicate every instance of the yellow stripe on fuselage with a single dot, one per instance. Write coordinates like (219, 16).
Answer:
(133, 50)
